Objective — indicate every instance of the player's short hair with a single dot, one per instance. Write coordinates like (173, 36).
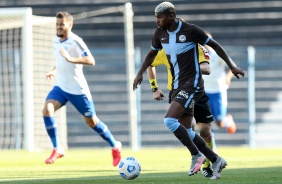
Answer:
(166, 8)
(65, 15)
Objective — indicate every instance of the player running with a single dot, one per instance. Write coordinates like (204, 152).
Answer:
(71, 54)
(179, 40)
(204, 118)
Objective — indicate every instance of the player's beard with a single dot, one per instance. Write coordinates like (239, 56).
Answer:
(164, 27)
(60, 35)
(160, 27)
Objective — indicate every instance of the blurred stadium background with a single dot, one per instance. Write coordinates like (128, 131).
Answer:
(236, 24)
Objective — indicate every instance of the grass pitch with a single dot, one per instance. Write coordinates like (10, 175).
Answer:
(159, 166)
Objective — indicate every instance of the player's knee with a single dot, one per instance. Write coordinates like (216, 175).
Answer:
(220, 123)
(91, 121)
(43, 112)
(206, 133)
(171, 123)
(191, 133)
(47, 111)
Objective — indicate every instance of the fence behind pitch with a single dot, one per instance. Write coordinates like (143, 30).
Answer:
(108, 84)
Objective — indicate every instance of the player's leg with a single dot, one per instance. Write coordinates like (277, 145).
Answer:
(182, 104)
(193, 124)
(54, 101)
(101, 128)
(204, 129)
(201, 144)
(171, 121)
(228, 119)
(214, 109)
(218, 103)
(204, 117)
(86, 107)
(206, 136)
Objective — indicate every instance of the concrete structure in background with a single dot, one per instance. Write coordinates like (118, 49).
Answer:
(232, 22)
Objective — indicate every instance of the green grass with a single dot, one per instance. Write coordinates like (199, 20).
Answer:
(159, 166)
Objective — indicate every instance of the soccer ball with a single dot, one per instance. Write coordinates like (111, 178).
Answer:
(129, 168)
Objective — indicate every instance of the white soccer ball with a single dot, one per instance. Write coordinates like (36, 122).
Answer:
(129, 168)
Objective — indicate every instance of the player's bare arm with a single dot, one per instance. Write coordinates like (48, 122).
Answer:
(50, 75)
(147, 62)
(157, 93)
(87, 60)
(205, 68)
(228, 77)
(221, 52)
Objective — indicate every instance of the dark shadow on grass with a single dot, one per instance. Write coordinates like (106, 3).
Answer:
(230, 176)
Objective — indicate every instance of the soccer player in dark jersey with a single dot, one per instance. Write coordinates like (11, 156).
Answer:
(202, 112)
(179, 41)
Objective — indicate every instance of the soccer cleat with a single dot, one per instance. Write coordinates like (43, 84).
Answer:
(197, 161)
(207, 172)
(54, 156)
(116, 153)
(232, 128)
(217, 167)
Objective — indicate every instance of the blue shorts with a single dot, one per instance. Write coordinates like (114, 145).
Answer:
(80, 102)
(218, 107)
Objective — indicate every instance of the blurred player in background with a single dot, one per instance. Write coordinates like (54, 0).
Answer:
(216, 85)
(179, 41)
(71, 54)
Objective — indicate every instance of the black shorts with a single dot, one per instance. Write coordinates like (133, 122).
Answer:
(198, 107)
(202, 110)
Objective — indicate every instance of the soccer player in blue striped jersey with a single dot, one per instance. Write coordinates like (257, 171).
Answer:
(71, 53)
(179, 40)
(205, 117)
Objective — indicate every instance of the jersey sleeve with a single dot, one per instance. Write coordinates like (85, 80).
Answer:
(81, 48)
(156, 43)
(199, 35)
(203, 54)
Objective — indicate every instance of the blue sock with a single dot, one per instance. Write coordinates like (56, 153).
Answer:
(191, 133)
(52, 131)
(171, 123)
(102, 129)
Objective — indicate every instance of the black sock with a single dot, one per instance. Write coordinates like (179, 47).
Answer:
(182, 135)
(201, 144)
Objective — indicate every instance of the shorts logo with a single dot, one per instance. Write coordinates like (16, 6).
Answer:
(192, 104)
(182, 38)
(182, 94)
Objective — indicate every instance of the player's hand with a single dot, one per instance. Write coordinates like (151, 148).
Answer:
(158, 95)
(227, 81)
(65, 54)
(50, 76)
(238, 71)
(137, 81)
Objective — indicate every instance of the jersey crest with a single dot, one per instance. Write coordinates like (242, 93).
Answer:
(182, 38)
